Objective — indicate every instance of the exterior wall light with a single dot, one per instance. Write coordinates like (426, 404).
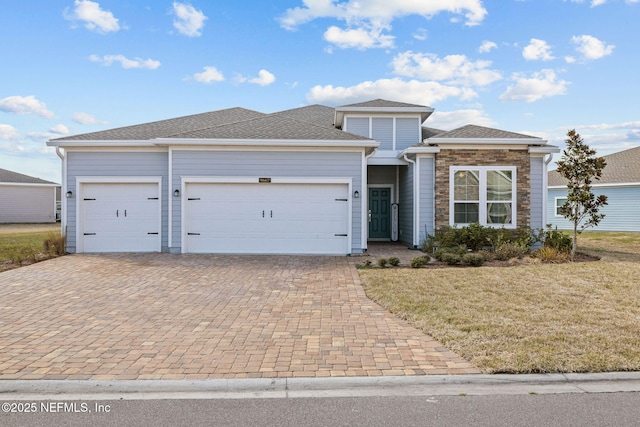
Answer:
(356, 194)
(69, 194)
(176, 193)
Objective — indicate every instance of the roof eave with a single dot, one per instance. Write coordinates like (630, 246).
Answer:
(359, 143)
(424, 112)
(488, 141)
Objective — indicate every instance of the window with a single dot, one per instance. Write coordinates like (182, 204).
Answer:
(483, 194)
(560, 201)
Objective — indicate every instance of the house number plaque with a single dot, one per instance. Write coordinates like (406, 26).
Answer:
(264, 179)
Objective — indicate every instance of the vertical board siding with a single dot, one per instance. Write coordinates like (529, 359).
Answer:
(357, 125)
(26, 203)
(405, 218)
(113, 164)
(307, 164)
(426, 197)
(537, 192)
(621, 213)
(407, 133)
(382, 131)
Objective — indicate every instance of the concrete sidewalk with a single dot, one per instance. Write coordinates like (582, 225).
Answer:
(432, 385)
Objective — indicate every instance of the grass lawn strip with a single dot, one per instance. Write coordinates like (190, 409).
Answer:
(573, 317)
(23, 241)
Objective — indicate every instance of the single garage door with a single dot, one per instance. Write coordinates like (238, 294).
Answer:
(266, 218)
(119, 217)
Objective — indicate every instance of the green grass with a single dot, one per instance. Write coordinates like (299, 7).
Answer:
(23, 244)
(569, 317)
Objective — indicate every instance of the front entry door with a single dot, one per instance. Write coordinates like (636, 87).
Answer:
(379, 213)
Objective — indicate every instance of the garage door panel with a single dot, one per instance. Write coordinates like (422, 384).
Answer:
(267, 218)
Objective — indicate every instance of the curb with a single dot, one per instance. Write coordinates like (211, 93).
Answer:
(475, 384)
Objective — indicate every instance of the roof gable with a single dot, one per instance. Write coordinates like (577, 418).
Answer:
(320, 115)
(481, 132)
(380, 103)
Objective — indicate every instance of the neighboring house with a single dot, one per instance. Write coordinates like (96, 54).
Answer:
(620, 182)
(311, 180)
(25, 199)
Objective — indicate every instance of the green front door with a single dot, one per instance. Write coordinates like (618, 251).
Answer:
(379, 213)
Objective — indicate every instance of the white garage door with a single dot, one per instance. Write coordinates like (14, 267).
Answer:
(119, 217)
(267, 218)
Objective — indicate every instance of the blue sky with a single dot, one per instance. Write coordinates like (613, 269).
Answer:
(534, 66)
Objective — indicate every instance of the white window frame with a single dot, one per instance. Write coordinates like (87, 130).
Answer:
(556, 214)
(482, 210)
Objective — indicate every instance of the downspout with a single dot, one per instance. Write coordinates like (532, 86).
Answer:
(63, 195)
(365, 203)
(415, 199)
(545, 185)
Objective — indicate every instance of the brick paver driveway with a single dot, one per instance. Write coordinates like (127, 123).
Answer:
(161, 316)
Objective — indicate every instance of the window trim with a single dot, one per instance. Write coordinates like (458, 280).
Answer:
(555, 205)
(482, 214)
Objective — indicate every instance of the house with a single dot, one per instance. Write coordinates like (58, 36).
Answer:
(26, 199)
(620, 182)
(310, 180)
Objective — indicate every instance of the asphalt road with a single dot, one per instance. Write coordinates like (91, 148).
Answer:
(585, 409)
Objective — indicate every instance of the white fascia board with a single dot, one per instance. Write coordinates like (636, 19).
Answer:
(27, 184)
(360, 143)
(420, 150)
(487, 141)
(608, 185)
(549, 149)
(100, 143)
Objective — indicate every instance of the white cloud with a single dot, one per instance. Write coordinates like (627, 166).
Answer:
(421, 34)
(265, 78)
(8, 133)
(85, 119)
(413, 91)
(448, 120)
(94, 18)
(487, 46)
(606, 126)
(543, 84)
(59, 129)
(455, 69)
(189, 21)
(359, 38)
(25, 105)
(380, 11)
(591, 48)
(107, 60)
(210, 74)
(537, 50)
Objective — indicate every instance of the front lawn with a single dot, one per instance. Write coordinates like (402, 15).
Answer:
(571, 317)
(22, 244)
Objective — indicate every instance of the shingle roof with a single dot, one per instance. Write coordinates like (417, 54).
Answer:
(317, 114)
(428, 132)
(622, 167)
(271, 126)
(165, 128)
(481, 132)
(18, 178)
(382, 103)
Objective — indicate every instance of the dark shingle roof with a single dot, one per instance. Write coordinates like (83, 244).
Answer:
(428, 132)
(481, 132)
(317, 114)
(382, 103)
(166, 128)
(271, 126)
(18, 178)
(622, 167)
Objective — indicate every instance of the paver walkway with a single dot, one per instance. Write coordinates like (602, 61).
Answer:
(162, 316)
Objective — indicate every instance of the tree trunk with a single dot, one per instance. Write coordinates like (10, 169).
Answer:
(574, 246)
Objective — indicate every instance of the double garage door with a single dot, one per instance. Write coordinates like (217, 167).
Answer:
(249, 218)
(266, 218)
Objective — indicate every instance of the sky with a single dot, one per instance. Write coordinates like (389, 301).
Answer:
(539, 67)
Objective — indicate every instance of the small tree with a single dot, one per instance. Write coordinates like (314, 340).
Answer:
(580, 166)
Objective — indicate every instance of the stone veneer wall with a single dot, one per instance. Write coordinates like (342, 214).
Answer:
(459, 157)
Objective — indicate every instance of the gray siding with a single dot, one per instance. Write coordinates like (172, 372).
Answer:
(407, 133)
(537, 193)
(27, 203)
(621, 213)
(102, 163)
(405, 217)
(270, 164)
(357, 125)
(382, 131)
(426, 198)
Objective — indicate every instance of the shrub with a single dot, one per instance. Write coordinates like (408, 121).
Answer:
(419, 261)
(557, 240)
(475, 236)
(498, 236)
(366, 263)
(394, 261)
(445, 237)
(382, 262)
(474, 259)
(451, 258)
(510, 250)
(457, 250)
(54, 245)
(526, 237)
(549, 254)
